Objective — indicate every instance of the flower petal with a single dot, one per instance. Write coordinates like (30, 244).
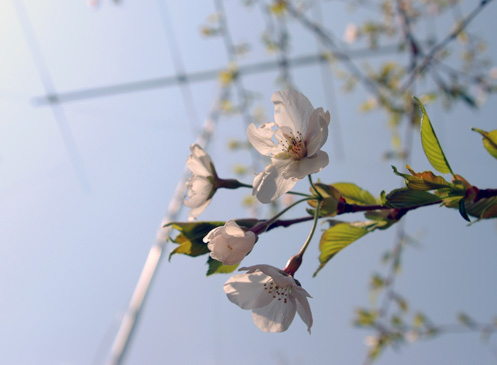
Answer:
(229, 244)
(303, 307)
(199, 191)
(271, 184)
(247, 290)
(233, 250)
(213, 233)
(261, 138)
(195, 212)
(233, 229)
(308, 165)
(292, 109)
(282, 279)
(317, 134)
(199, 162)
(277, 316)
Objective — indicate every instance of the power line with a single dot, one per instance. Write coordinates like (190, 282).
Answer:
(182, 78)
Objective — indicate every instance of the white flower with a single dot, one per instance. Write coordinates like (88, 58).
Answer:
(201, 184)
(230, 244)
(302, 131)
(273, 295)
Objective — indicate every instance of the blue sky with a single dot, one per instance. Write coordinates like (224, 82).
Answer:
(84, 188)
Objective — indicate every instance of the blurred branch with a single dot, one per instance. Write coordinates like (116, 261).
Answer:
(442, 44)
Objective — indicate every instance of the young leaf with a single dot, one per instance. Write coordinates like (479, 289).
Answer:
(431, 145)
(462, 210)
(329, 203)
(407, 198)
(336, 238)
(489, 140)
(353, 194)
(216, 267)
(425, 180)
(482, 209)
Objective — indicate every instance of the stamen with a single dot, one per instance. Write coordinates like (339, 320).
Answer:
(294, 146)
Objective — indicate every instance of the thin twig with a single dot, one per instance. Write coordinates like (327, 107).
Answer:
(442, 44)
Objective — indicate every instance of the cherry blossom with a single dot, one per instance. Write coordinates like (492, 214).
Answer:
(201, 186)
(273, 295)
(300, 133)
(230, 243)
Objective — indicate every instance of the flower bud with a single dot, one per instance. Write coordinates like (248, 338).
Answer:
(230, 244)
(293, 264)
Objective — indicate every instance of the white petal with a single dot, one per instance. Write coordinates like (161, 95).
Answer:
(233, 229)
(308, 165)
(195, 212)
(199, 162)
(303, 307)
(231, 250)
(213, 233)
(317, 134)
(292, 109)
(199, 191)
(272, 184)
(247, 290)
(276, 316)
(276, 274)
(260, 138)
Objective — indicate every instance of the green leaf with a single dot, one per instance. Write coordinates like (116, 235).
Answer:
(216, 267)
(353, 194)
(431, 145)
(329, 203)
(489, 140)
(337, 237)
(407, 198)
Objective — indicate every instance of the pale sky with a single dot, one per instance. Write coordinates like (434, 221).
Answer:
(85, 186)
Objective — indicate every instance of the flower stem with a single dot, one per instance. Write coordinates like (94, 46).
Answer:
(263, 226)
(295, 261)
(297, 193)
(311, 233)
(235, 184)
(314, 187)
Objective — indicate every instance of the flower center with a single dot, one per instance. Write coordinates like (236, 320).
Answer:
(276, 291)
(294, 145)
